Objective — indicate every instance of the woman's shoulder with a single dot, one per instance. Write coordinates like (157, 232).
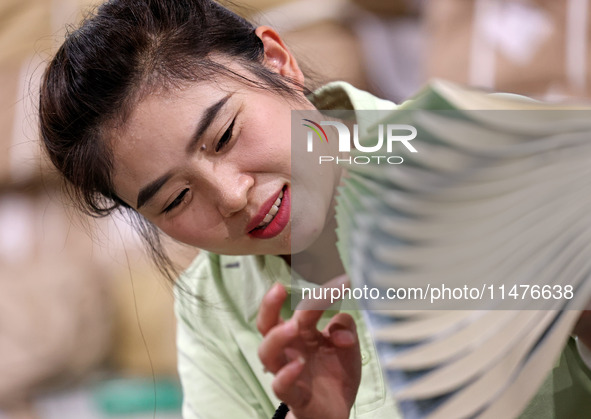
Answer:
(226, 268)
(340, 95)
(200, 267)
(224, 283)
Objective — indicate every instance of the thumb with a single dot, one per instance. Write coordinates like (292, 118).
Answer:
(324, 303)
(342, 331)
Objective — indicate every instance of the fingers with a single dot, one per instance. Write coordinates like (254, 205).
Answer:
(342, 331)
(269, 312)
(273, 352)
(309, 311)
(285, 387)
(307, 321)
(324, 303)
(279, 346)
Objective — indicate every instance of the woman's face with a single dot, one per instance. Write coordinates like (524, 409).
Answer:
(207, 163)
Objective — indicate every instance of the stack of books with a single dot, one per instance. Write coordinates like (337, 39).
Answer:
(477, 248)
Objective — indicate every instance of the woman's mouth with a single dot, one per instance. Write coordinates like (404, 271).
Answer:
(272, 212)
(276, 218)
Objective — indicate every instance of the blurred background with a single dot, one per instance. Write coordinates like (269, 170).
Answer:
(86, 324)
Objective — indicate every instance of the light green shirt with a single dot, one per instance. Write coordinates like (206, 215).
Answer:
(218, 340)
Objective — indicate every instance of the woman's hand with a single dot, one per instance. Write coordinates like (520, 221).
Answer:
(317, 373)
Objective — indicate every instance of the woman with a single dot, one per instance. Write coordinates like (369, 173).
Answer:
(179, 111)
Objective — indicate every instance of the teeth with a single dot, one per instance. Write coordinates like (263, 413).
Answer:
(272, 212)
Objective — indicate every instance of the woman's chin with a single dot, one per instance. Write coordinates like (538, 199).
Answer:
(302, 242)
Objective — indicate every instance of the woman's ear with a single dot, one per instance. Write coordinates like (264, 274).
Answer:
(277, 57)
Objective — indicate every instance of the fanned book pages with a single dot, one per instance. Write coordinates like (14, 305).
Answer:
(482, 237)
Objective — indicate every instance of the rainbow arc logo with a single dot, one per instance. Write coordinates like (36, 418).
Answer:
(317, 129)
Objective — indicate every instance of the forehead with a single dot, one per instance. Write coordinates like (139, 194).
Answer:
(174, 102)
(165, 112)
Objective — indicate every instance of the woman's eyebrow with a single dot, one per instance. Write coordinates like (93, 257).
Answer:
(147, 192)
(206, 119)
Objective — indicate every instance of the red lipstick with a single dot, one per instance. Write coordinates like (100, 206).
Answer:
(278, 223)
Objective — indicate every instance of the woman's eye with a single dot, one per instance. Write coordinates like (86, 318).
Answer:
(226, 137)
(177, 201)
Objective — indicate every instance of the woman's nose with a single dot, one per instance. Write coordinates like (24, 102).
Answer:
(232, 193)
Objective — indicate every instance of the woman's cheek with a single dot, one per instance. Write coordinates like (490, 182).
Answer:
(182, 228)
